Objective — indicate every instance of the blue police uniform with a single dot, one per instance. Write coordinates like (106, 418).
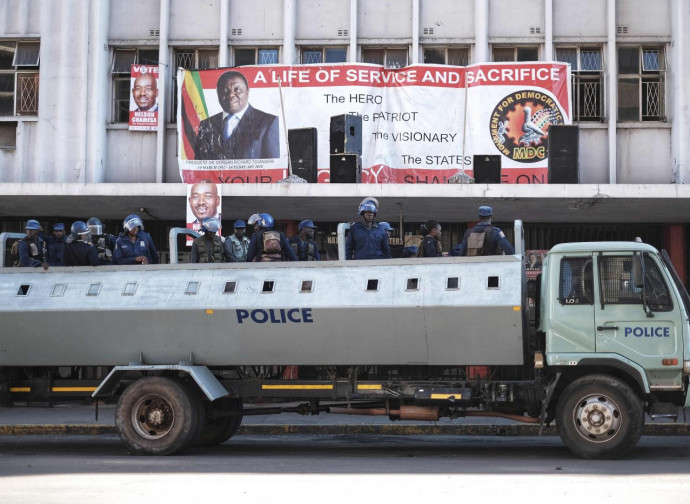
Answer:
(143, 235)
(303, 249)
(127, 251)
(367, 243)
(80, 253)
(54, 247)
(498, 244)
(30, 256)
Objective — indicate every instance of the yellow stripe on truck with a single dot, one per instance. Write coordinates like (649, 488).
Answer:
(446, 396)
(297, 387)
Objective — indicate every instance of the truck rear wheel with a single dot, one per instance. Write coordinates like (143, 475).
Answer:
(599, 417)
(219, 429)
(158, 416)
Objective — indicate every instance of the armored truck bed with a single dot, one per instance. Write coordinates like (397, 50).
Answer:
(445, 311)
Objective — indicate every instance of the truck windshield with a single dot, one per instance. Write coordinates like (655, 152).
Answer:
(676, 280)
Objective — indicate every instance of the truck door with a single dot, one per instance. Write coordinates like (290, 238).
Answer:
(640, 321)
(572, 315)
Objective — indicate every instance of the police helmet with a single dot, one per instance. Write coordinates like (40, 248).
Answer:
(367, 206)
(211, 224)
(253, 219)
(95, 225)
(266, 221)
(410, 251)
(60, 226)
(385, 226)
(306, 224)
(79, 228)
(132, 221)
(239, 224)
(32, 224)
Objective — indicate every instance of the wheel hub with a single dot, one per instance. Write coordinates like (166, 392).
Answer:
(598, 418)
(153, 417)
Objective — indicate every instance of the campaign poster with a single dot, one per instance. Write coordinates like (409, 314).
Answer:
(143, 99)
(533, 262)
(203, 200)
(420, 125)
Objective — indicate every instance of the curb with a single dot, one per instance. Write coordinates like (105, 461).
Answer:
(382, 430)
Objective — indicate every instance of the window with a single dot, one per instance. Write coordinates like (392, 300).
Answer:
(388, 57)
(641, 91)
(8, 135)
(256, 56)
(188, 59)
(19, 78)
(457, 56)
(318, 55)
(587, 71)
(516, 53)
(123, 59)
(576, 281)
(618, 285)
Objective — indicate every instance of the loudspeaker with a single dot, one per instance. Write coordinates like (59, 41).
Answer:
(563, 155)
(303, 153)
(346, 169)
(487, 169)
(346, 134)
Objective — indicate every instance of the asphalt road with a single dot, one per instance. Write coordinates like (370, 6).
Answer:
(340, 468)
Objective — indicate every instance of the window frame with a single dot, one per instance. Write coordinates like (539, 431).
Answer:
(17, 71)
(257, 50)
(644, 78)
(323, 50)
(516, 49)
(446, 50)
(582, 81)
(385, 59)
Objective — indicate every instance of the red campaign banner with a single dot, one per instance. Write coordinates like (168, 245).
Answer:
(143, 100)
(419, 124)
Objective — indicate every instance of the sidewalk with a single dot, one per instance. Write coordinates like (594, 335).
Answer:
(80, 419)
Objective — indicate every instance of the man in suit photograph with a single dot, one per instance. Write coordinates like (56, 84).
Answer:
(240, 131)
(145, 92)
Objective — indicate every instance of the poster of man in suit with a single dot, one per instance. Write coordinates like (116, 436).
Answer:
(143, 102)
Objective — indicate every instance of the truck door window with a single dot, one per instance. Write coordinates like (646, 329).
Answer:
(618, 287)
(576, 281)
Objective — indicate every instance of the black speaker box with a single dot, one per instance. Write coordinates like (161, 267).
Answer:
(487, 169)
(563, 155)
(346, 169)
(303, 158)
(346, 134)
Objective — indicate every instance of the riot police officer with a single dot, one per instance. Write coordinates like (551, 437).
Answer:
(208, 248)
(143, 235)
(268, 245)
(484, 238)
(79, 251)
(367, 240)
(31, 248)
(237, 243)
(303, 243)
(55, 244)
(104, 242)
(130, 248)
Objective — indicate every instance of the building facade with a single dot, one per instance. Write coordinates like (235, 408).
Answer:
(66, 150)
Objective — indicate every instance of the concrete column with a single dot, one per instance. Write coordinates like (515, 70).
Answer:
(481, 31)
(98, 86)
(163, 80)
(679, 77)
(223, 60)
(415, 32)
(353, 32)
(289, 29)
(548, 30)
(612, 79)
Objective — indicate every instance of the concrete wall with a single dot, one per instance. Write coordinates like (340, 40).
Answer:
(320, 20)
(569, 23)
(260, 20)
(644, 156)
(450, 20)
(385, 19)
(508, 19)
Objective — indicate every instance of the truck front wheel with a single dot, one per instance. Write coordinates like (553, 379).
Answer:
(599, 417)
(157, 415)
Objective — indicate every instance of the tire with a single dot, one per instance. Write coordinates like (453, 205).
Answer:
(599, 417)
(219, 429)
(158, 416)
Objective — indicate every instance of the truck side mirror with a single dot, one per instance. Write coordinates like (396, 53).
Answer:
(637, 271)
